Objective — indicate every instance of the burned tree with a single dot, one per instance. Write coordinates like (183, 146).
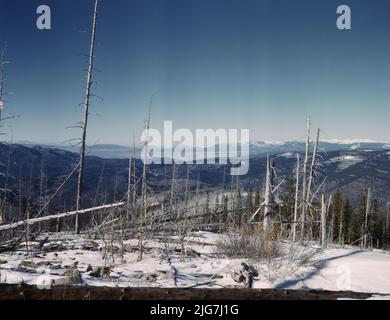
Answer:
(296, 200)
(304, 181)
(144, 206)
(267, 222)
(3, 62)
(86, 114)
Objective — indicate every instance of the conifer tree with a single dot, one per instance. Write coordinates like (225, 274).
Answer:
(257, 197)
(206, 208)
(249, 201)
(336, 216)
(237, 206)
(357, 219)
(216, 211)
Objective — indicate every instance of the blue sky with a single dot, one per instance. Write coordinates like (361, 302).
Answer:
(258, 64)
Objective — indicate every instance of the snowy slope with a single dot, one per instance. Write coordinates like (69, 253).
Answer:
(341, 269)
(334, 269)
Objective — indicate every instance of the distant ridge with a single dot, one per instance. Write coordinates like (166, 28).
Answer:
(257, 148)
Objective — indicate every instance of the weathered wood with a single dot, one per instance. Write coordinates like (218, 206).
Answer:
(268, 199)
(296, 199)
(59, 216)
(304, 181)
(25, 292)
(3, 62)
(12, 244)
(86, 114)
(312, 168)
(323, 222)
(129, 200)
(367, 213)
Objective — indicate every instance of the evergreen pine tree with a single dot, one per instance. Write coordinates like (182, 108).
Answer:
(216, 211)
(249, 202)
(238, 206)
(257, 198)
(356, 223)
(347, 216)
(206, 208)
(336, 216)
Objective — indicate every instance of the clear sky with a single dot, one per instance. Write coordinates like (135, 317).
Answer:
(258, 64)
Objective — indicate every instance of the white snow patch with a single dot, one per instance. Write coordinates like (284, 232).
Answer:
(345, 161)
(355, 146)
(352, 141)
(268, 143)
(288, 155)
(335, 269)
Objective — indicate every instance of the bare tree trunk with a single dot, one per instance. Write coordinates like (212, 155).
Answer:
(323, 222)
(134, 175)
(144, 184)
(183, 225)
(60, 216)
(186, 195)
(28, 213)
(197, 196)
(122, 239)
(296, 200)
(2, 82)
(304, 183)
(368, 209)
(387, 226)
(129, 202)
(171, 201)
(3, 62)
(41, 178)
(4, 202)
(311, 177)
(28, 216)
(86, 115)
(312, 168)
(267, 222)
(341, 226)
(20, 191)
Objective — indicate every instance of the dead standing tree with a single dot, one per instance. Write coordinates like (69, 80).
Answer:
(267, 222)
(134, 175)
(144, 207)
(312, 173)
(304, 183)
(86, 114)
(184, 226)
(367, 213)
(312, 168)
(3, 62)
(295, 222)
(129, 200)
(324, 214)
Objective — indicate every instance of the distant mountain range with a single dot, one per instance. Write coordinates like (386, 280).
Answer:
(107, 151)
(256, 149)
(37, 172)
(261, 148)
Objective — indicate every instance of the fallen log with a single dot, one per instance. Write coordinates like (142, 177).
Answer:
(26, 292)
(59, 216)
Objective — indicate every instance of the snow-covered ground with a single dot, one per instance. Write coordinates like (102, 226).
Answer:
(301, 267)
(347, 269)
